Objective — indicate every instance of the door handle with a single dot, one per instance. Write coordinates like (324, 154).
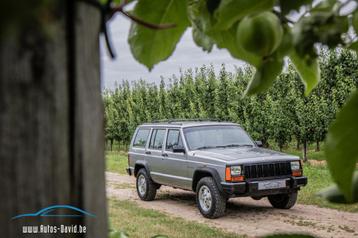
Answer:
(165, 155)
(148, 152)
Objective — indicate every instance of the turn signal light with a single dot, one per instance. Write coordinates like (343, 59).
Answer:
(297, 173)
(237, 178)
(228, 174)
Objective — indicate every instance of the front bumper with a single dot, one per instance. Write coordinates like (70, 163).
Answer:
(250, 188)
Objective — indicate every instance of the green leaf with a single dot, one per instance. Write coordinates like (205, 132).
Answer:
(201, 21)
(204, 35)
(355, 22)
(289, 5)
(231, 11)
(227, 39)
(324, 6)
(333, 194)
(150, 46)
(341, 146)
(308, 69)
(354, 46)
(202, 40)
(265, 75)
(286, 42)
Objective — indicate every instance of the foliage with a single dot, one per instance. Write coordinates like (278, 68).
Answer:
(281, 114)
(238, 26)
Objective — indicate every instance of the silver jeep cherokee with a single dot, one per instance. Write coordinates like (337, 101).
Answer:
(217, 160)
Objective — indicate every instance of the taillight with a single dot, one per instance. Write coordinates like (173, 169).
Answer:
(128, 158)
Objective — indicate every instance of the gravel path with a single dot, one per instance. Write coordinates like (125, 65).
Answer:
(243, 215)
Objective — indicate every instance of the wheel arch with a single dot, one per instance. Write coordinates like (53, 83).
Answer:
(139, 165)
(206, 172)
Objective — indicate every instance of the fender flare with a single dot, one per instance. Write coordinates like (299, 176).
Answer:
(214, 174)
(141, 163)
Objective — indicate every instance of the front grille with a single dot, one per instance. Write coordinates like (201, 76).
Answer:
(267, 170)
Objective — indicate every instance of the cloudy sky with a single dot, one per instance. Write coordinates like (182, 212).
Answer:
(124, 67)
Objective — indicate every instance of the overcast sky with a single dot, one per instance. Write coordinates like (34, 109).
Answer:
(125, 67)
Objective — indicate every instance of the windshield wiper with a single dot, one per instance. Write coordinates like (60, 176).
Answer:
(236, 145)
(223, 146)
(205, 147)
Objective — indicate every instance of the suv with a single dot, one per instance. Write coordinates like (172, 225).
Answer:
(216, 160)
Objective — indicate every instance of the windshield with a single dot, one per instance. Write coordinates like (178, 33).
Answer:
(207, 137)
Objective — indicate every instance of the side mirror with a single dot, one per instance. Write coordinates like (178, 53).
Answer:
(259, 143)
(178, 149)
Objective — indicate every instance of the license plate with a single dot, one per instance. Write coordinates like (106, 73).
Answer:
(272, 184)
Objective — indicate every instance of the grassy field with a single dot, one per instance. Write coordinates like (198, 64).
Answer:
(318, 179)
(116, 161)
(312, 154)
(139, 222)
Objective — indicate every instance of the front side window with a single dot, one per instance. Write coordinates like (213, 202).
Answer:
(173, 139)
(156, 141)
(208, 137)
(141, 138)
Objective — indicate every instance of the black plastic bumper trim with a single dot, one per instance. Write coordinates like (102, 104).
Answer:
(250, 188)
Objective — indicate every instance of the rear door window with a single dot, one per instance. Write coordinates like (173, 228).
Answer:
(157, 138)
(141, 138)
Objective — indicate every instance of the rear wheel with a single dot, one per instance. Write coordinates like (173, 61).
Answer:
(283, 201)
(210, 201)
(146, 188)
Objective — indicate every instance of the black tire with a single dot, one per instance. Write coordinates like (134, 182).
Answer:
(218, 204)
(151, 187)
(256, 198)
(283, 201)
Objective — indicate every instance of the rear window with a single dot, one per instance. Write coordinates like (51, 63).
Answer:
(141, 138)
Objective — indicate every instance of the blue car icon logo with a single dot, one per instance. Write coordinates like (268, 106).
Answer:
(57, 211)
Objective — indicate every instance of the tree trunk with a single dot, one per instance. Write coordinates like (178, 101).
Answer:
(111, 140)
(51, 122)
(298, 145)
(317, 146)
(305, 159)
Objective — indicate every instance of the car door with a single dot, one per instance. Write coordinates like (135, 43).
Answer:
(175, 164)
(154, 156)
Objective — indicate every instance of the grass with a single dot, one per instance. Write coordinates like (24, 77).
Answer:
(311, 153)
(116, 161)
(140, 222)
(318, 179)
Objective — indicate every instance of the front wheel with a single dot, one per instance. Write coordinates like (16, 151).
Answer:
(210, 201)
(146, 188)
(283, 201)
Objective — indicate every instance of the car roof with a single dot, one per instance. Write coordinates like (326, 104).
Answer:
(186, 123)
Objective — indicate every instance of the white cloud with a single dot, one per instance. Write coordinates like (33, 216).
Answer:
(125, 67)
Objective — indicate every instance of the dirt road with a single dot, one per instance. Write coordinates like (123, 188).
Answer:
(243, 215)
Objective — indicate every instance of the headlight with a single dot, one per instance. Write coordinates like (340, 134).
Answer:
(295, 165)
(236, 170)
(234, 174)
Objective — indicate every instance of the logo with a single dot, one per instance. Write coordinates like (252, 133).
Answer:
(57, 211)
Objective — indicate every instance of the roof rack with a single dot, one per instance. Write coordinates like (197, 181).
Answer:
(184, 120)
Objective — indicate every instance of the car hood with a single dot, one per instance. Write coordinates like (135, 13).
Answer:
(244, 155)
